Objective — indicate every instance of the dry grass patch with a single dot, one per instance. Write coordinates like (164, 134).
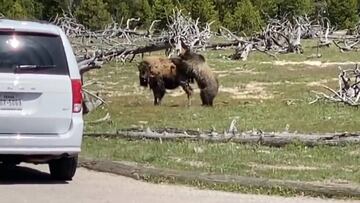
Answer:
(285, 167)
(309, 63)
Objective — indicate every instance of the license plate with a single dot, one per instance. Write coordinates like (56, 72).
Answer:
(10, 102)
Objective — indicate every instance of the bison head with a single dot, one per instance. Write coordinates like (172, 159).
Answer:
(144, 74)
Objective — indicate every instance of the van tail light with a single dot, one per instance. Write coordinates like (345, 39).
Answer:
(77, 95)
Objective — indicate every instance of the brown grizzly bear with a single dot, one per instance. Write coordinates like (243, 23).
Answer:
(196, 67)
(160, 73)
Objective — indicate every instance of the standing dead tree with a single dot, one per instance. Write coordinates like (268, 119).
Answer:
(326, 29)
(183, 29)
(348, 91)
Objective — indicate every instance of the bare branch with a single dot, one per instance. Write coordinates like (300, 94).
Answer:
(349, 90)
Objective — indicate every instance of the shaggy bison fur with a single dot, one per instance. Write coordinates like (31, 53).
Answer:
(160, 73)
(196, 67)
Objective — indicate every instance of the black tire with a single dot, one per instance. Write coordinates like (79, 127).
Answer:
(9, 164)
(63, 169)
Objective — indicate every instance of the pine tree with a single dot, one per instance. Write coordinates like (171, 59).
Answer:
(224, 7)
(343, 13)
(49, 8)
(246, 17)
(204, 10)
(123, 11)
(119, 9)
(296, 7)
(267, 7)
(18, 9)
(228, 21)
(146, 14)
(93, 14)
(29, 7)
(46, 9)
(5, 6)
(162, 9)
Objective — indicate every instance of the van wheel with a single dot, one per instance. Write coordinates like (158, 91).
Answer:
(10, 163)
(64, 168)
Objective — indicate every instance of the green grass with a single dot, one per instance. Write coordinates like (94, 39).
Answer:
(294, 162)
(266, 97)
(260, 101)
(299, 116)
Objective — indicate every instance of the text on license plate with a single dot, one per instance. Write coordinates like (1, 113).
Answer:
(10, 103)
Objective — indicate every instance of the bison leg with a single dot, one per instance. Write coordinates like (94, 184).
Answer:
(156, 103)
(189, 91)
(155, 97)
(162, 93)
(159, 92)
(158, 95)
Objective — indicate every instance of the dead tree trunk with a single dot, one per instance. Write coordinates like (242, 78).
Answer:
(268, 139)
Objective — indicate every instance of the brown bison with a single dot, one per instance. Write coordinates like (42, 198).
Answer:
(195, 66)
(160, 73)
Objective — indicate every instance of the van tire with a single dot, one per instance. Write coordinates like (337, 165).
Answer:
(63, 169)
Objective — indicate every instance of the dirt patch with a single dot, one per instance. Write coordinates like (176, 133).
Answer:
(339, 182)
(252, 90)
(355, 153)
(119, 93)
(320, 82)
(284, 167)
(180, 92)
(309, 63)
(112, 83)
(124, 90)
(235, 71)
(257, 90)
(197, 164)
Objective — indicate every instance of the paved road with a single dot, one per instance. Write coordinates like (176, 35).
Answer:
(30, 183)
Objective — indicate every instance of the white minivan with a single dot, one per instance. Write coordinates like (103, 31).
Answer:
(40, 98)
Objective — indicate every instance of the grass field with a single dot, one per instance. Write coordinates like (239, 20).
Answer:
(260, 93)
(293, 162)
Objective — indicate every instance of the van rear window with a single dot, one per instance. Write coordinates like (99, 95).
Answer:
(32, 53)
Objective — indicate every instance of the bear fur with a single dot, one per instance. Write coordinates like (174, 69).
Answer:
(196, 67)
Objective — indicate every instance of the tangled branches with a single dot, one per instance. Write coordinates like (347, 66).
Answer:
(349, 88)
(182, 28)
(281, 36)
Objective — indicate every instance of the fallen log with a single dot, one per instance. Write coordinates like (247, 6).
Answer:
(149, 48)
(221, 45)
(142, 172)
(252, 137)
